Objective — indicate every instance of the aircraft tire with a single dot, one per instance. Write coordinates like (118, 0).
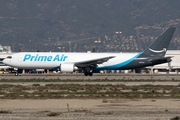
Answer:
(16, 74)
(90, 74)
(86, 73)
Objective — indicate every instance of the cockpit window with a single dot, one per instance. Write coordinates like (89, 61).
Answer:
(10, 57)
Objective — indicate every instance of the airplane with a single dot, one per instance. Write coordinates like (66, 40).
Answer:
(89, 62)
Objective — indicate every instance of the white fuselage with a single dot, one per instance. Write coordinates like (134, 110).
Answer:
(50, 60)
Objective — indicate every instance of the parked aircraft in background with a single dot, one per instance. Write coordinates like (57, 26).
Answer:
(89, 62)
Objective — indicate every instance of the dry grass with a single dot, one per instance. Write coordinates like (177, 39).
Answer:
(89, 91)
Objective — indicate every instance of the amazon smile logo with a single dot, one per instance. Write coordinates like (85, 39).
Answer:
(158, 51)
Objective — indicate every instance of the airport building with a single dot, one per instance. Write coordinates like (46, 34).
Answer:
(4, 52)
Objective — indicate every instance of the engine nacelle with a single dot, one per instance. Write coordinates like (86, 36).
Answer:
(67, 68)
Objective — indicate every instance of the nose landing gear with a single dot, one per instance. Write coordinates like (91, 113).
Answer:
(16, 71)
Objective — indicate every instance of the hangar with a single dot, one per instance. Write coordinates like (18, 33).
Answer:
(4, 52)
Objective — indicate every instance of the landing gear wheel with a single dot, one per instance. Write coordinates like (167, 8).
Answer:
(90, 74)
(16, 74)
(86, 73)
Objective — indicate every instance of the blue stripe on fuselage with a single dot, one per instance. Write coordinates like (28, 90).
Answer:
(117, 65)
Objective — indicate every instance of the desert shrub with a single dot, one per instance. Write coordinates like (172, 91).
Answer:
(111, 95)
(5, 111)
(26, 96)
(153, 100)
(102, 95)
(35, 85)
(136, 95)
(104, 101)
(90, 95)
(176, 118)
(74, 89)
(153, 91)
(164, 91)
(53, 114)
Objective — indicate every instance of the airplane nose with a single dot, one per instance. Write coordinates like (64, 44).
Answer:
(5, 61)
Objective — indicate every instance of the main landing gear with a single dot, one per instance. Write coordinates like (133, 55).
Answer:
(88, 73)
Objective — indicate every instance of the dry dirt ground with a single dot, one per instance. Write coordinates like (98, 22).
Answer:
(89, 109)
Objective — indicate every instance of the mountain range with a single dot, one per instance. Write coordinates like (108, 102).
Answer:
(83, 25)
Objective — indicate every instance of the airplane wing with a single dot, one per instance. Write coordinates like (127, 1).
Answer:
(93, 62)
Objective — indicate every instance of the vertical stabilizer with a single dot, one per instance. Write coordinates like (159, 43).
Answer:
(160, 45)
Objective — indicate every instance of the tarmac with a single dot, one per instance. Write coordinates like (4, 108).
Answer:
(93, 83)
(95, 76)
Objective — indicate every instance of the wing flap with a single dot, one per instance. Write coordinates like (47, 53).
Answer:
(93, 62)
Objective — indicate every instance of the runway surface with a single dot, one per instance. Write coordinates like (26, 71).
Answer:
(93, 83)
(95, 76)
(171, 79)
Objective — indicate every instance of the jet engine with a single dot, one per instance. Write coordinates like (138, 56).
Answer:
(68, 67)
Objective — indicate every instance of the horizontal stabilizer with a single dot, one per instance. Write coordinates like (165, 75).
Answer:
(161, 60)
